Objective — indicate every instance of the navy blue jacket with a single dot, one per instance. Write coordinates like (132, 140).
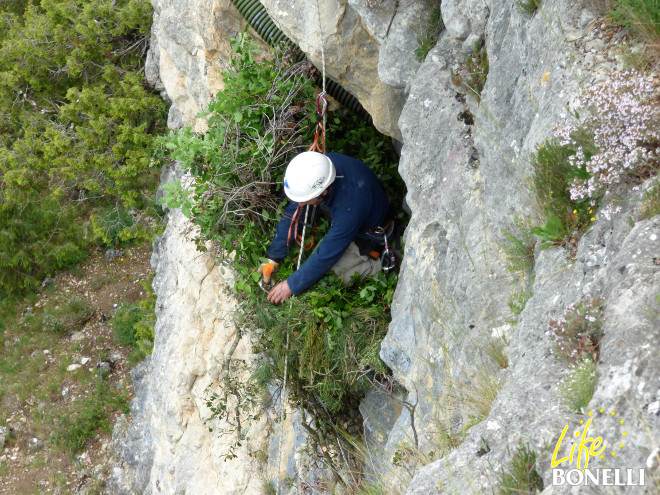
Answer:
(356, 204)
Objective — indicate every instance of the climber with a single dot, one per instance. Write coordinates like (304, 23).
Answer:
(352, 197)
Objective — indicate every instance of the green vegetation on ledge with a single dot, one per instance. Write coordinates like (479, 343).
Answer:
(257, 124)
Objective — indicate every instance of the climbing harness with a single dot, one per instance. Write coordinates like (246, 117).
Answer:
(388, 259)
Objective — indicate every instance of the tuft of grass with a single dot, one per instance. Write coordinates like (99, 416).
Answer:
(60, 317)
(495, 348)
(480, 393)
(642, 17)
(519, 248)
(101, 281)
(639, 60)
(473, 73)
(651, 203)
(268, 487)
(429, 38)
(529, 6)
(372, 489)
(37, 462)
(521, 476)
(578, 388)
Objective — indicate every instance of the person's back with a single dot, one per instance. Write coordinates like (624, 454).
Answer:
(357, 186)
(355, 200)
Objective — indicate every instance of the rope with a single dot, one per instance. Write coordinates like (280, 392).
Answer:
(293, 231)
(321, 106)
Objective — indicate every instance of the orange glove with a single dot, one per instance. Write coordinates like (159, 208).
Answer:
(268, 270)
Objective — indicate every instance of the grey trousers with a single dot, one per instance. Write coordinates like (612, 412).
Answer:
(353, 262)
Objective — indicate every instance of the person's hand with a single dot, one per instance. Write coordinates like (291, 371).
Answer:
(280, 293)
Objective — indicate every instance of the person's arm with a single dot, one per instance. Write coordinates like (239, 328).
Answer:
(343, 230)
(278, 248)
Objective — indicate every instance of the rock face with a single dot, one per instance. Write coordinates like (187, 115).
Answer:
(193, 333)
(171, 444)
(189, 51)
(465, 185)
(465, 163)
(352, 51)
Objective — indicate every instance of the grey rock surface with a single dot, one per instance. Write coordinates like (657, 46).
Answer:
(379, 411)
(131, 441)
(464, 186)
(397, 61)
(34, 445)
(465, 17)
(351, 48)
(377, 16)
(4, 435)
(614, 260)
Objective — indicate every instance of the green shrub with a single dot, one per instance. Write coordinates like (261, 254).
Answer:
(108, 225)
(257, 124)
(521, 476)
(144, 328)
(335, 339)
(123, 321)
(76, 128)
(578, 388)
(134, 323)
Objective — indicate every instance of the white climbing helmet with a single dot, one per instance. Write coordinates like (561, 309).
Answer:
(307, 176)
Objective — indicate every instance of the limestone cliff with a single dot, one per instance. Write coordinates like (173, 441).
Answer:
(464, 163)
